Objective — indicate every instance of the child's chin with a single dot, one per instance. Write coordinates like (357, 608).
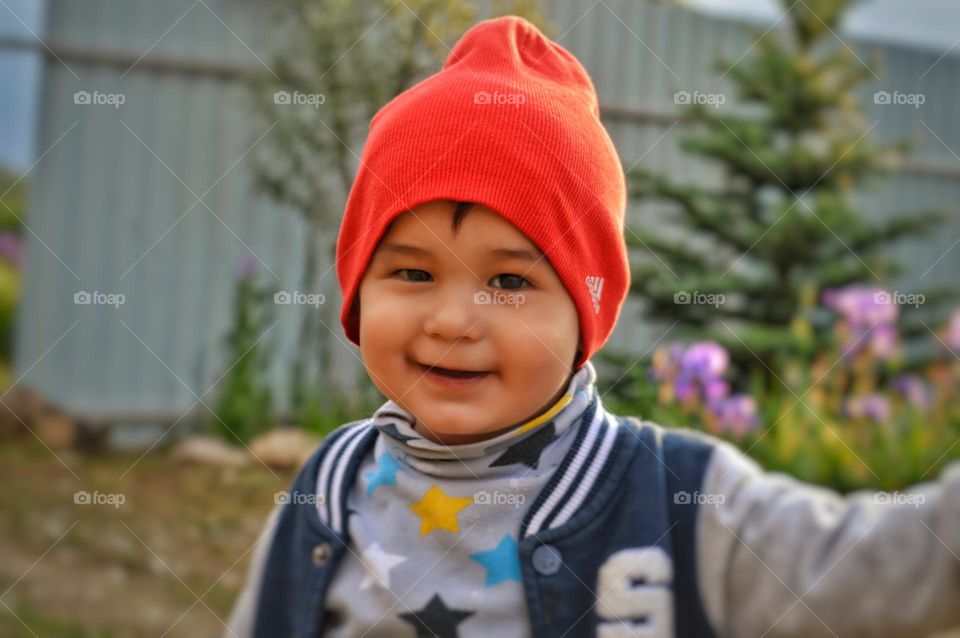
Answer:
(453, 430)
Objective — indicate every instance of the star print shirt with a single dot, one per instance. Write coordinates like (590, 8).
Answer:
(433, 528)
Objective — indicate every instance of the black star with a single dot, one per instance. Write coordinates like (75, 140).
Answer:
(528, 450)
(436, 620)
(391, 429)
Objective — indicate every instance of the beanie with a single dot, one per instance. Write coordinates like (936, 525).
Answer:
(511, 122)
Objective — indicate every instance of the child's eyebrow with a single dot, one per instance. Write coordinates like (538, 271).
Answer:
(511, 253)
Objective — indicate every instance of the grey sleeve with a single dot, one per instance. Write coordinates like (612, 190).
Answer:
(240, 623)
(780, 558)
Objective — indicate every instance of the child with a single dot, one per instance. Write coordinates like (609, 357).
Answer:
(483, 262)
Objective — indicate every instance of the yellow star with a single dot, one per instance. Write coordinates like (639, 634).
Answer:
(439, 511)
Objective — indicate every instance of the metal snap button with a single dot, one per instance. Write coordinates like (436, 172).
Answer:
(321, 553)
(547, 560)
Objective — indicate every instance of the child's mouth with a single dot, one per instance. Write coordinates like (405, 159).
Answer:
(446, 375)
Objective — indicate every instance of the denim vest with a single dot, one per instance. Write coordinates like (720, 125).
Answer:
(607, 548)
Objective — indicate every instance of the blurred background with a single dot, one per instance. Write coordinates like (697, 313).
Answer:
(172, 175)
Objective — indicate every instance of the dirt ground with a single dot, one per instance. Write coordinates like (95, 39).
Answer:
(166, 561)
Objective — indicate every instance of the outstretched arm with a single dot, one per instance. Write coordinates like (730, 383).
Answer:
(780, 558)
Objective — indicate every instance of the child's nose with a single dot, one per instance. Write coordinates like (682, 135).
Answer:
(455, 314)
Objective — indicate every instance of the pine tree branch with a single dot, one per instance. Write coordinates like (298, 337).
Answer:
(720, 226)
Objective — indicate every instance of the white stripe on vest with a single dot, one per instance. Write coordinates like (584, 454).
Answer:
(595, 451)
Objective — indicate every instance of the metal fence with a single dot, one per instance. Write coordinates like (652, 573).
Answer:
(114, 203)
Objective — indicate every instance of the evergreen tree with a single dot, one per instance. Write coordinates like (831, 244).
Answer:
(784, 225)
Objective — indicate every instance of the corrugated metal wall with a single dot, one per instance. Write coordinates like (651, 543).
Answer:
(115, 207)
(113, 183)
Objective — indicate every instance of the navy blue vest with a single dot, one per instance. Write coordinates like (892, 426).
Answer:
(607, 548)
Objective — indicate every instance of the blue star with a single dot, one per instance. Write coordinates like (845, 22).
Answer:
(502, 562)
(386, 473)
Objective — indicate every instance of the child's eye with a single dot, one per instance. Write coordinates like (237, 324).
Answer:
(512, 278)
(508, 281)
(412, 270)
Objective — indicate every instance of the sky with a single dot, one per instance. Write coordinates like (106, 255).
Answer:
(926, 24)
(931, 24)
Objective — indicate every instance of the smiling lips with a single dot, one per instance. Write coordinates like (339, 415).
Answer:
(453, 373)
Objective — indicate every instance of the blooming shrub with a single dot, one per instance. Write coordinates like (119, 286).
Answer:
(850, 416)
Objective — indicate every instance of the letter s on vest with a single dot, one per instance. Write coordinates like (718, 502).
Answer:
(634, 594)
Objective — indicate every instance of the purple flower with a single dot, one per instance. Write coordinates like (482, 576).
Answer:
(862, 305)
(714, 389)
(700, 373)
(953, 331)
(685, 389)
(11, 249)
(704, 360)
(873, 407)
(883, 341)
(913, 388)
(692, 372)
(736, 414)
(869, 315)
(245, 267)
(666, 362)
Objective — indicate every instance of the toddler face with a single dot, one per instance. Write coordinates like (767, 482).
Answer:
(435, 297)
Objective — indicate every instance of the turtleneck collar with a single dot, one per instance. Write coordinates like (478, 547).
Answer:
(532, 446)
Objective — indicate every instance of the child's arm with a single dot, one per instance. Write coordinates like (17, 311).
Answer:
(783, 558)
(240, 623)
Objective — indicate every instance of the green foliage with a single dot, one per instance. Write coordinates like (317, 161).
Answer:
(243, 407)
(13, 193)
(322, 414)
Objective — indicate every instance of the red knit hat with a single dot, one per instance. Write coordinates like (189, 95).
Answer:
(511, 122)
